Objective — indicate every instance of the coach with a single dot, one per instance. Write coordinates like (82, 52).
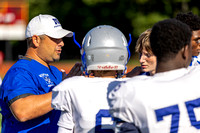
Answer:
(25, 96)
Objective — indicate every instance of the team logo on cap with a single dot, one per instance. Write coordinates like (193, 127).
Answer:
(57, 23)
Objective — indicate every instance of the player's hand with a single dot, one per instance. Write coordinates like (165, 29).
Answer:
(75, 71)
(136, 71)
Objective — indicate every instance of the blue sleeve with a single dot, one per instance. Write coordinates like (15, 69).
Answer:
(19, 83)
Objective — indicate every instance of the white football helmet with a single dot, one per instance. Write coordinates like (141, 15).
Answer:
(104, 48)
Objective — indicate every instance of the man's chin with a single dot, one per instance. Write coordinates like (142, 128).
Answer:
(56, 60)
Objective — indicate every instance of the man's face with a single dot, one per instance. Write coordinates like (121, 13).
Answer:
(50, 49)
(147, 61)
(195, 40)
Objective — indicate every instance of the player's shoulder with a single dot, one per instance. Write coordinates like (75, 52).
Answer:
(194, 70)
(74, 79)
(68, 83)
(131, 84)
(138, 79)
(79, 80)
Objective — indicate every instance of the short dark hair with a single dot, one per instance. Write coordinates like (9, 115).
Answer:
(193, 21)
(29, 40)
(168, 37)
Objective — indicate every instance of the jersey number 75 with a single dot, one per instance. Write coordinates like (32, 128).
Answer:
(175, 112)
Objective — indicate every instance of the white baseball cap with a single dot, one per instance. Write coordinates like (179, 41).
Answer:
(46, 25)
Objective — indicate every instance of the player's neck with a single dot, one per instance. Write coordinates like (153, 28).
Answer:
(108, 77)
(168, 66)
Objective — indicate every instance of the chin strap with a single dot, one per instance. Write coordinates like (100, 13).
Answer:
(129, 54)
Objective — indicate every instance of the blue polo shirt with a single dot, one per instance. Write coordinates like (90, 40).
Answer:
(28, 77)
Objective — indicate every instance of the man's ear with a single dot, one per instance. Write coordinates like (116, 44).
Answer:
(185, 51)
(36, 40)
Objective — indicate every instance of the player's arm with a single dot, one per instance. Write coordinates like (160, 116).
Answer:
(134, 72)
(31, 107)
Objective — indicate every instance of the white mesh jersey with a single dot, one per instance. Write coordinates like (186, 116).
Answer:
(84, 105)
(195, 60)
(167, 102)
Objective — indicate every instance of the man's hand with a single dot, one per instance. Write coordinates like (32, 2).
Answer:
(75, 71)
(136, 71)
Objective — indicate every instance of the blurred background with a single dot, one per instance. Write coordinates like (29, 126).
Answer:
(79, 16)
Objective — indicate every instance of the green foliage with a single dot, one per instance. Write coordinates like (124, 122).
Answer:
(138, 14)
(141, 22)
(94, 2)
(37, 7)
(130, 16)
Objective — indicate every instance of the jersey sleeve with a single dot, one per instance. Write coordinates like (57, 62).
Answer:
(61, 99)
(119, 101)
(18, 84)
(65, 123)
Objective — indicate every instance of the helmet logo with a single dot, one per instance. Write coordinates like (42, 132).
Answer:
(90, 57)
(107, 67)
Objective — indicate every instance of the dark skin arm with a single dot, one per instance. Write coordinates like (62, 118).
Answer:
(134, 72)
(75, 71)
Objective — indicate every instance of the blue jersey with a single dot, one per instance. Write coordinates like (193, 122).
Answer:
(28, 77)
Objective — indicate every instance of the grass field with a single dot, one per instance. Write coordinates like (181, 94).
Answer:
(66, 65)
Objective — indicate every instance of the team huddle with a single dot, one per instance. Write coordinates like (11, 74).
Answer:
(97, 95)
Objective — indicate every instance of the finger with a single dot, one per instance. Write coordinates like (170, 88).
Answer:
(74, 67)
(75, 71)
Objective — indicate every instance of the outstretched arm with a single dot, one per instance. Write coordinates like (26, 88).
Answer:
(134, 72)
(31, 107)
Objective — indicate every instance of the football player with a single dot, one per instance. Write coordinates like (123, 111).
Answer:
(168, 101)
(193, 21)
(83, 99)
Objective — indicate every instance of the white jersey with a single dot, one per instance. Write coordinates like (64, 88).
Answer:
(167, 102)
(84, 105)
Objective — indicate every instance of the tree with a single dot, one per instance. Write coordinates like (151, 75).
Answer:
(130, 16)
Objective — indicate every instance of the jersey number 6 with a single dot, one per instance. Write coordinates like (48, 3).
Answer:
(101, 114)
